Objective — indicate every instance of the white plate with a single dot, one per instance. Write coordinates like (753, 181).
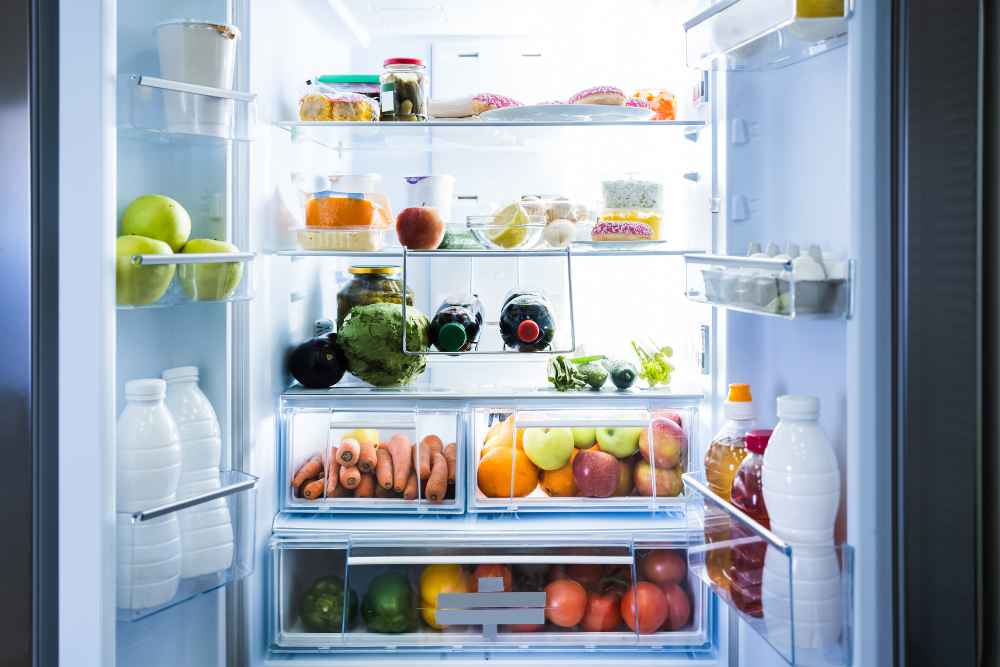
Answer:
(621, 245)
(555, 113)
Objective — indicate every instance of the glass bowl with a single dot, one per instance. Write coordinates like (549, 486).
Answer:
(499, 236)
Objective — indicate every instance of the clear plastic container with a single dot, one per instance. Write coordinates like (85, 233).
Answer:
(405, 89)
(328, 209)
(499, 236)
(360, 239)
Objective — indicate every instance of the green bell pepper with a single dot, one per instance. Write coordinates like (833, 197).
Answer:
(390, 606)
(322, 606)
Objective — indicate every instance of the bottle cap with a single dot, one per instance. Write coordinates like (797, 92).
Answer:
(528, 331)
(739, 403)
(181, 373)
(145, 389)
(757, 440)
(794, 406)
(451, 337)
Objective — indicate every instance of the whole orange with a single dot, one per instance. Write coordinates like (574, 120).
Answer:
(494, 471)
(560, 482)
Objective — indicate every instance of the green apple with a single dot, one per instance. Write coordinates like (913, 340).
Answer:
(584, 438)
(158, 217)
(137, 285)
(548, 448)
(619, 442)
(210, 282)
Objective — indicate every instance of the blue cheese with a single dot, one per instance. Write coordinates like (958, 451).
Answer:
(632, 193)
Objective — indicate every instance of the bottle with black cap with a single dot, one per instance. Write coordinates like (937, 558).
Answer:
(527, 323)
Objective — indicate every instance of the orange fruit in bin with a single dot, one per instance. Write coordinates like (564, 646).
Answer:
(494, 473)
(499, 435)
(560, 482)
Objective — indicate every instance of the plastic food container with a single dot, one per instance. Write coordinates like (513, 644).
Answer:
(435, 191)
(362, 84)
(370, 239)
(317, 105)
(404, 89)
(500, 236)
(338, 210)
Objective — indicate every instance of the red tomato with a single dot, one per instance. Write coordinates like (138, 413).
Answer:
(566, 602)
(588, 575)
(523, 627)
(678, 605)
(663, 566)
(602, 614)
(649, 603)
(498, 571)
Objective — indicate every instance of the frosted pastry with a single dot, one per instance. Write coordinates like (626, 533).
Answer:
(599, 95)
(648, 217)
(337, 107)
(472, 105)
(606, 230)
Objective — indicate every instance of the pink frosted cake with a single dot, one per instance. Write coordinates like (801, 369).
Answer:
(613, 230)
(599, 95)
(472, 105)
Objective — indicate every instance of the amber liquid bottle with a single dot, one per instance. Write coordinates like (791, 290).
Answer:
(746, 567)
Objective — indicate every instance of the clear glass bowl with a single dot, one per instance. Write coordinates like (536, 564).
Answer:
(498, 236)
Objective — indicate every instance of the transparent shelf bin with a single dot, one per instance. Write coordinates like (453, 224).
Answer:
(171, 110)
(767, 286)
(525, 460)
(313, 435)
(764, 34)
(487, 594)
(160, 281)
(797, 598)
(152, 562)
(658, 249)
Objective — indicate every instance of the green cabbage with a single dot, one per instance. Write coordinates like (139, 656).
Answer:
(372, 340)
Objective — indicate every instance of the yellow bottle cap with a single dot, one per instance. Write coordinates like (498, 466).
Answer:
(739, 393)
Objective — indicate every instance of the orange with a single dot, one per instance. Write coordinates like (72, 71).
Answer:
(494, 470)
(499, 435)
(560, 482)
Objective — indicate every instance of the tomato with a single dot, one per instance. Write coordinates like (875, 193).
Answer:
(664, 566)
(498, 571)
(523, 627)
(566, 602)
(602, 614)
(557, 572)
(648, 602)
(588, 575)
(678, 605)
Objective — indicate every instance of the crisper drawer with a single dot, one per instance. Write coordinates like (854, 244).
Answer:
(625, 459)
(569, 593)
(367, 460)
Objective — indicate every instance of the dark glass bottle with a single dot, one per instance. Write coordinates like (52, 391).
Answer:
(457, 324)
(527, 323)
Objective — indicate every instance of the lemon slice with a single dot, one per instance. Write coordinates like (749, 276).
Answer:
(514, 220)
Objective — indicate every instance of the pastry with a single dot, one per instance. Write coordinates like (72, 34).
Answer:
(337, 107)
(599, 95)
(606, 230)
(636, 102)
(648, 217)
(473, 105)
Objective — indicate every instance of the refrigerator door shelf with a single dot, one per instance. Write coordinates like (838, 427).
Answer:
(799, 599)
(162, 281)
(490, 593)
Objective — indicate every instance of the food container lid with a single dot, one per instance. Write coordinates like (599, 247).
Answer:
(403, 61)
(373, 269)
(347, 78)
(326, 194)
(228, 31)
(757, 440)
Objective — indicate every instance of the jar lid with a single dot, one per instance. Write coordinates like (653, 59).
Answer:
(377, 269)
(757, 440)
(181, 373)
(403, 61)
(151, 388)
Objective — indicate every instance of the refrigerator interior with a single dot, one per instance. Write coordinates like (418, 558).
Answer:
(775, 151)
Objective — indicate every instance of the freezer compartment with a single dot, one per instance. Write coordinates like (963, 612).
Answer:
(768, 286)
(195, 544)
(763, 34)
(798, 598)
(161, 281)
(166, 109)
(623, 459)
(402, 449)
(377, 594)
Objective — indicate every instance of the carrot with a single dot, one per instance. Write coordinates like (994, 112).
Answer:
(428, 445)
(366, 457)
(382, 492)
(399, 449)
(350, 478)
(332, 478)
(313, 489)
(383, 468)
(347, 453)
(451, 456)
(366, 488)
(311, 469)
(437, 484)
(410, 491)
(341, 491)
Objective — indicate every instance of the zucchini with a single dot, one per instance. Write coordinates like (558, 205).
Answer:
(623, 374)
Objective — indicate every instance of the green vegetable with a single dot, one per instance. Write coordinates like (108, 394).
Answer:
(322, 606)
(594, 374)
(459, 241)
(564, 375)
(389, 605)
(372, 341)
(656, 369)
(587, 360)
(622, 374)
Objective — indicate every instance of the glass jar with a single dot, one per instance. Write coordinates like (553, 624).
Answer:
(404, 87)
(370, 284)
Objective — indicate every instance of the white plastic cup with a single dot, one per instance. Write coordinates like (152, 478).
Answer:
(204, 54)
(436, 191)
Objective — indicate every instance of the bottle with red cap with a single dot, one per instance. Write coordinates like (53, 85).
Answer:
(746, 568)
(526, 321)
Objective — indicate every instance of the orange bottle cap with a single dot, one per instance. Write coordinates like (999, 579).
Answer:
(739, 393)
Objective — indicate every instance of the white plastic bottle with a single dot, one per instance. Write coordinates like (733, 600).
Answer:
(801, 482)
(206, 529)
(148, 470)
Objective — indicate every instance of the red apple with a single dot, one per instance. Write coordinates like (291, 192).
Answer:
(668, 481)
(669, 442)
(419, 228)
(625, 482)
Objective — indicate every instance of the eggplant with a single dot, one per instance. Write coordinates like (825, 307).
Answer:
(318, 363)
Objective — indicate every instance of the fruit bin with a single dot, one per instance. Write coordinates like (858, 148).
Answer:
(311, 432)
(492, 593)
(155, 574)
(769, 582)
(537, 460)
(160, 281)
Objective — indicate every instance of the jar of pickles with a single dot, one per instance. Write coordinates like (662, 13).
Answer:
(368, 285)
(404, 88)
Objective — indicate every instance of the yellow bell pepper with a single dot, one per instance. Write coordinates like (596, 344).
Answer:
(437, 579)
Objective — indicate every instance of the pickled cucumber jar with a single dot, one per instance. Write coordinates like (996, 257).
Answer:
(404, 89)
(368, 285)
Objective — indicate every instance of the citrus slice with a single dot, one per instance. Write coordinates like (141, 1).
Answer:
(514, 220)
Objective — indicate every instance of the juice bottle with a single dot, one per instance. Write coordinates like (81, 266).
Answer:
(722, 460)
(457, 324)
(746, 568)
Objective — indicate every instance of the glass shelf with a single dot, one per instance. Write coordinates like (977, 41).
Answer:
(766, 286)
(149, 583)
(764, 34)
(161, 281)
(577, 250)
(769, 582)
